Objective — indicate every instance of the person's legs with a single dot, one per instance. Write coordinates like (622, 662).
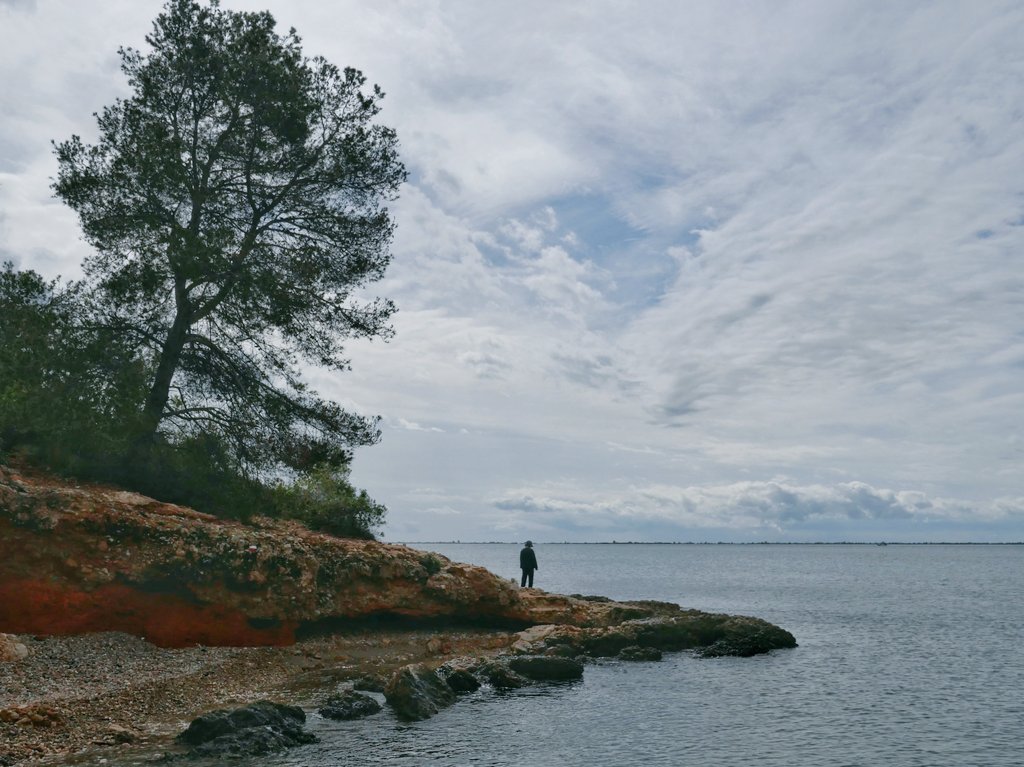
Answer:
(529, 578)
(526, 573)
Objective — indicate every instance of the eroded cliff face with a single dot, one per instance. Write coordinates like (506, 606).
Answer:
(78, 558)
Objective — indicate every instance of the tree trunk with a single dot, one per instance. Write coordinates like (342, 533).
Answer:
(160, 391)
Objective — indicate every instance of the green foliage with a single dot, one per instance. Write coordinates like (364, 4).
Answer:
(69, 397)
(236, 203)
(199, 472)
(67, 389)
(431, 564)
(325, 500)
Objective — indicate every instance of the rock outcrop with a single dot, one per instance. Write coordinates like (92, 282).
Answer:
(546, 668)
(85, 558)
(82, 558)
(254, 730)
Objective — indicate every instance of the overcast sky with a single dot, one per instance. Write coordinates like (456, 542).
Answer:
(666, 271)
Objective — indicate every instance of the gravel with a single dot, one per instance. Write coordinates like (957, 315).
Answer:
(97, 692)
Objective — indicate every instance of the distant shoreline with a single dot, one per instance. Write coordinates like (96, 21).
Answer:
(715, 543)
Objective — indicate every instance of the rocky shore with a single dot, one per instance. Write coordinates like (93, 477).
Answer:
(124, 618)
(111, 692)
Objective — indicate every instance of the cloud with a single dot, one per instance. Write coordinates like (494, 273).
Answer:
(402, 423)
(658, 253)
(756, 507)
(19, 5)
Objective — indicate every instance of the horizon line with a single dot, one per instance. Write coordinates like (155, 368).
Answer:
(723, 543)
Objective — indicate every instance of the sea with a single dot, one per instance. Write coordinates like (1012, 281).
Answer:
(909, 656)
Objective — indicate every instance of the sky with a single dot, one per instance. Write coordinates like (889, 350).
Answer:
(666, 271)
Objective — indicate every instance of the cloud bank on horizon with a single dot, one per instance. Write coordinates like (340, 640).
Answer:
(676, 271)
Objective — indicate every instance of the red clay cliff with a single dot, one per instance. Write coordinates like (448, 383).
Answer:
(80, 558)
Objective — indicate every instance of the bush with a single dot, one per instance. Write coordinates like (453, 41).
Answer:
(324, 500)
(431, 564)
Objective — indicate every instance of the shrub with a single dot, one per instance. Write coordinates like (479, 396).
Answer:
(431, 564)
(323, 499)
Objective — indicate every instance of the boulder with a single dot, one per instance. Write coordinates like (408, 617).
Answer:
(460, 674)
(744, 638)
(417, 692)
(461, 680)
(546, 668)
(498, 674)
(259, 728)
(11, 649)
(637, 653)
(348, 705)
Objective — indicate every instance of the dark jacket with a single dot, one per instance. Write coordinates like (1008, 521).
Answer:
(527, 559)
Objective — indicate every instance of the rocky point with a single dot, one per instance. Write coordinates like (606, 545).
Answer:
(78, 558)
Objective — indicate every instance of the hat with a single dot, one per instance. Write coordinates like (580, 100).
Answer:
(530, 544)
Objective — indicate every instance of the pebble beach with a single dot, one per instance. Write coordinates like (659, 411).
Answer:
(76, 695)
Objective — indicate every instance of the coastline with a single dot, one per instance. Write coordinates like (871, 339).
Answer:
(126, 618)
(108, 693)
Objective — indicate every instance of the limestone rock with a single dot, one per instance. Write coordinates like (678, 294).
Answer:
(259, 728)
(637, 653)
(417, 692)
(462, 680)
(459, 674)
(498, 674)
(745, 637)
(546, 668)
(349, 705)
(686, 630)
(11, 649)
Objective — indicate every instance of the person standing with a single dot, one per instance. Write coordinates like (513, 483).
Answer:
(528, 563)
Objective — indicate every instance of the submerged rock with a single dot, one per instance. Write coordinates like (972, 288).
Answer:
(259, 728)
(417, 692)
(349, 705)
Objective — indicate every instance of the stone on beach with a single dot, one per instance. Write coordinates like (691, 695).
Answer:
(11, 649)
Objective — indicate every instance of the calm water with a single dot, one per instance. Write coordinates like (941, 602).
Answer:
(909, 655)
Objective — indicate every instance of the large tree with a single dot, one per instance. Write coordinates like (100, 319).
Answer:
(235, 202)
